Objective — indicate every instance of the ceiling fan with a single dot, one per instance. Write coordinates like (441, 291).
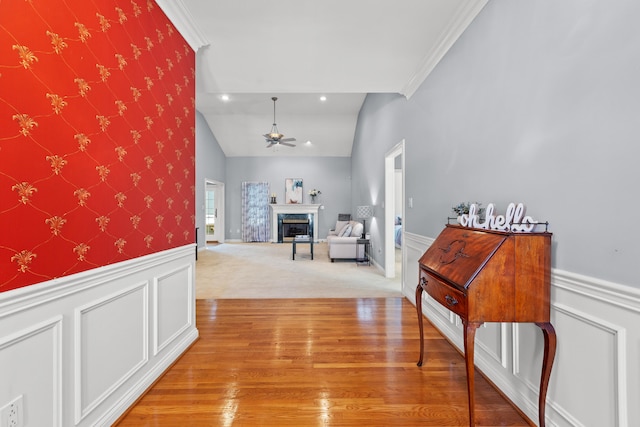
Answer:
(274, 137)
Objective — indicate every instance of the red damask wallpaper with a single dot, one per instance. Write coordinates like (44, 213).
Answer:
(97, 136)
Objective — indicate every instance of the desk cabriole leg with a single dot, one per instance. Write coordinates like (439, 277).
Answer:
(469, 339)
(550, 342)
(419, 309)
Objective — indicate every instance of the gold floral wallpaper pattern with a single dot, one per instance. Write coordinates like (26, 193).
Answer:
(97, 136)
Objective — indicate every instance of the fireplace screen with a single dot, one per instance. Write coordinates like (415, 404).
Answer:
(292, 225)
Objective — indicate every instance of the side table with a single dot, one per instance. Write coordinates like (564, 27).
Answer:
(366, 259)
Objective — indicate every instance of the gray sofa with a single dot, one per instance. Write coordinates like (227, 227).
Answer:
(343, 241)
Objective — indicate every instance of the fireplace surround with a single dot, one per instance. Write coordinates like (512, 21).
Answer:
(296, 216)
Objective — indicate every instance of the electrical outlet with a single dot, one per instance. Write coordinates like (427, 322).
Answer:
(11, 414)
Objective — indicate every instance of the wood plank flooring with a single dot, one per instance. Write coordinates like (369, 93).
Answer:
(316, 362)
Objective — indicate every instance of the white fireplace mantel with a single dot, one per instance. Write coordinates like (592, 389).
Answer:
(293, 208)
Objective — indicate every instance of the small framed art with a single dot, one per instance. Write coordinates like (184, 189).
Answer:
(293, 190)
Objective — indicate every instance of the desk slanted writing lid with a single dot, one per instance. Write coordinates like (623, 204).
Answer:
(459, 254)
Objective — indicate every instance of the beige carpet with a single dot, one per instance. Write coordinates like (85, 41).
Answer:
(266, 270)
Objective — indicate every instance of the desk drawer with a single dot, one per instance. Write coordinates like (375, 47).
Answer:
(446, 295)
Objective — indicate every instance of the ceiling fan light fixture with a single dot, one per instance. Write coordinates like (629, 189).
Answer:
(274, 134)
(274, 137)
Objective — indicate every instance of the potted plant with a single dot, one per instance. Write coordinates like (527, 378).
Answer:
(463, 208)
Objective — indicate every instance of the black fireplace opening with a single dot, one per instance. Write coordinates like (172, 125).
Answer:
(292, 225)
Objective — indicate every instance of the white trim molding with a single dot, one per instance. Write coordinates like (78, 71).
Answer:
(180, 16)
(466, 13)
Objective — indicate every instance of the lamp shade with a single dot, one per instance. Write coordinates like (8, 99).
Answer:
(364, 211)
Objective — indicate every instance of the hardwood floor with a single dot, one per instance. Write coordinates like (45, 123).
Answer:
(316, 362)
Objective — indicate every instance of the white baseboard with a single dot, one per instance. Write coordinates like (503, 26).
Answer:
(594, 380)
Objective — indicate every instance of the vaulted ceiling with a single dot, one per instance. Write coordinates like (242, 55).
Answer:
(300, 50)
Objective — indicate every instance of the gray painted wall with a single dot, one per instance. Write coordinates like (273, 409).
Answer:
(210, 165)
(330, 175)
(537, 102)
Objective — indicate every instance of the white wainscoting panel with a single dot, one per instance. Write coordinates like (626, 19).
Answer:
(592, 339)
(78, 348)
(172, 312)
(31, 365)
(595, 379)
(608, 316)
(493, 338)
(110, 352)
(414, 246)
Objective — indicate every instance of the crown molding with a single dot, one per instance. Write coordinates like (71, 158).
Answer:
(463, 17)
(184, 23)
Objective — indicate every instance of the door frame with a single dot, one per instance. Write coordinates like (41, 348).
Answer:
(218, 188)
(389, 211)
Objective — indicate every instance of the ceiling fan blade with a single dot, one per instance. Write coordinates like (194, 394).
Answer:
(271, 144)
(287, 144)
(287, 139)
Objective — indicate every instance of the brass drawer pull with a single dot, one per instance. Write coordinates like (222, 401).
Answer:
(423, 281)
(451, 300)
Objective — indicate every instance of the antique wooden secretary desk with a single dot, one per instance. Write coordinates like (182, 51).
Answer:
(490, 276)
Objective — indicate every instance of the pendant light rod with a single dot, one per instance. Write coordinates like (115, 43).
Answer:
(274, 99)
(275, 133)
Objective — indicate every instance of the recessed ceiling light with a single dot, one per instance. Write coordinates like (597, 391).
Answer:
(308, 142)
(224, 97)
(323, 98)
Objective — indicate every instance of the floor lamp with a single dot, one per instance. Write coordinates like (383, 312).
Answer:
(363, 213)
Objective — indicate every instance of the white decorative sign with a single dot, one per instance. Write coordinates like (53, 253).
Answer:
(514, 220)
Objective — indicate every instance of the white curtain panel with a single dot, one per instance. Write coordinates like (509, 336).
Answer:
(255, 212)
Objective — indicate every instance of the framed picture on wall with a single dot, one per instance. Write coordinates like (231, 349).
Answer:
(293, 190)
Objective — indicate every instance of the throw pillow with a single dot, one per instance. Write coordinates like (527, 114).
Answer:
(345, 232)
(357, 229)
(340, 225)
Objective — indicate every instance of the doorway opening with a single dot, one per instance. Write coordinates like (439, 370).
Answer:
(394, 221)
(214, 211)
